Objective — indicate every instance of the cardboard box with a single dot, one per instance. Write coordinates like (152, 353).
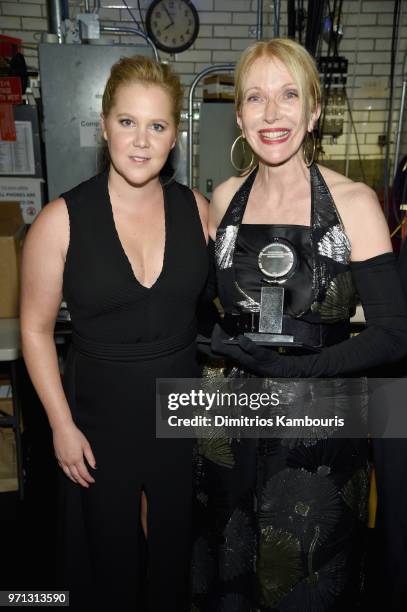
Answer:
(12, 231)
(6, 398)
(219, 87)
(8, 460)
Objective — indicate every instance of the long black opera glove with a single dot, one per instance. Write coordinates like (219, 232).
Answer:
(402, 267)
(383, 341)
(209, 292)
(207, 313)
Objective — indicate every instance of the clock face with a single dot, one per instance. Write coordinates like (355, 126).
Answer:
(172, 24)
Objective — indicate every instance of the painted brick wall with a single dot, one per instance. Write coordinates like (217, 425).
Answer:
(228, 27)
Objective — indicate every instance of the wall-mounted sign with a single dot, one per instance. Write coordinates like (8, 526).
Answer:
(10, 90)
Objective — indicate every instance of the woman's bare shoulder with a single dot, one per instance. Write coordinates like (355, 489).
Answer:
(54, 211)
(228, 187)
(51, 226)
(361, 214)
(342, 188)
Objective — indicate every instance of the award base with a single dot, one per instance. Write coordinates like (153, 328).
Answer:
(265, 338)
(283, 341)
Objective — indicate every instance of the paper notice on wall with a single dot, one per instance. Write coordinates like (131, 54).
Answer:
(90, 134)
(27, 191)
(18, 157)
(374, 87)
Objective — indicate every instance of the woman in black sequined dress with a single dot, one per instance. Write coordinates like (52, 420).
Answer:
(281, 521)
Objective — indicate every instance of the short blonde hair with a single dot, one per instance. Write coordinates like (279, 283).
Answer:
(298, 62)
(147, 71)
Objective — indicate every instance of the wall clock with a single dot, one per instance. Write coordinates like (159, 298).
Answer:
(173, 25)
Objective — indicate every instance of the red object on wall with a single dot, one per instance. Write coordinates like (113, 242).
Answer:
(10, 90)
(7, 125)
(9, 46)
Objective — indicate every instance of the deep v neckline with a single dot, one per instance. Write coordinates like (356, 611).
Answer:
(120, 244)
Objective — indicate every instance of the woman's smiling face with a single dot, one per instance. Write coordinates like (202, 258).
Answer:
(272, 114)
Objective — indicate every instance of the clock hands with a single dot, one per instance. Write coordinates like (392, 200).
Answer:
(169, 17)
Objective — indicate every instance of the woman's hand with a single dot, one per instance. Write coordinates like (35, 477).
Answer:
(247, 354)
(71, 447)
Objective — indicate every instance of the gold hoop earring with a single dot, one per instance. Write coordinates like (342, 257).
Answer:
(309, 162)
(232, 150)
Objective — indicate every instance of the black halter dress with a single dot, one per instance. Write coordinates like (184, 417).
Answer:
(281, 522)
(124, 337)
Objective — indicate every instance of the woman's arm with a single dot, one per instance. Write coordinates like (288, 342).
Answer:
(364, 221)
(202, 204)
(41, 294)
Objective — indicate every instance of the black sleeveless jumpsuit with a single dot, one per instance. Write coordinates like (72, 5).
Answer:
(124, 337)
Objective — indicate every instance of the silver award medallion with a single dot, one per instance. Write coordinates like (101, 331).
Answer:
(278, 262)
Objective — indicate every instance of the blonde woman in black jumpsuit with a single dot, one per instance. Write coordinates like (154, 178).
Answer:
(127, 249)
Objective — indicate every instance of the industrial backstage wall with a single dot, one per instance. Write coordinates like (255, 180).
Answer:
(229, 26)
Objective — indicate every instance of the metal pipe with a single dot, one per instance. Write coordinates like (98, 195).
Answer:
(401, 117)
(190, 139)
(132, 30)
(55, 18)
(259, 22)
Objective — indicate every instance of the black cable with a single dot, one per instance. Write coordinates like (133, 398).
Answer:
(300, 17)
(327, 90)
(319, 48)
(131, 13)
(277, 18)
(336, 39)
(396, 20)
(291, 19)
(362, 170)
(315, 14)
(141, 16)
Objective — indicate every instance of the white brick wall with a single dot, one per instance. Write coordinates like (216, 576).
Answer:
(25, 10)
(227, 27)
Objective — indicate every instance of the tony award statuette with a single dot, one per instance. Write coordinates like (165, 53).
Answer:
(278, 262)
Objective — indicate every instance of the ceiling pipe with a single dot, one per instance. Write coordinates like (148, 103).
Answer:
(55, 18)
(132, 30)
(259, 22)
